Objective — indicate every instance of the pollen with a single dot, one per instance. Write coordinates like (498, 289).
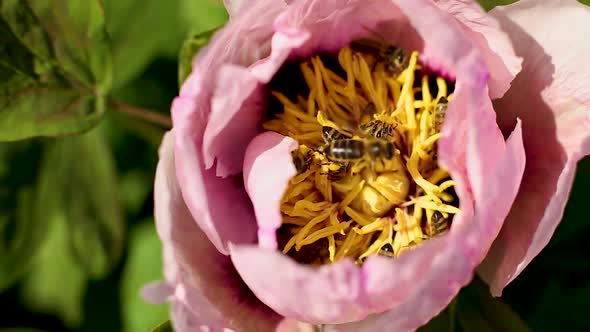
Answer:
(368, 180)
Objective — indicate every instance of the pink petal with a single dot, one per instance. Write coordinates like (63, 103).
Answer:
(423, 281)
(202, 283)
(552, 97)
(331, 293)
(291, 325)
(233, 7)
(236, 109)
(491, 40)
(298, 31)
(472, 147)
(219, 206)
(223, 88)
(479, 161)
(267, 170)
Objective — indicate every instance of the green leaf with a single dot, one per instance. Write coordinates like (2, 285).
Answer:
(190, 48)
(55, 67)
(20, 231)
(78, 37)
(144, 264)
(139, 29)
(20, 239)
(489, 4)
(478, 311)
(47, 110)
(202, 15)
(163, 327)
(56, 284)
(142, 30)
(135, 187)
(78, 178)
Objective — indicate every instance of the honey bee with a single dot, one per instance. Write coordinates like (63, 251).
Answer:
(438, 225)
(395, 58)
(439, 113)
(347, 150)
(302, 159)
(379, 129)
(367, 113)
(330, 134)
(335, 175)
(387, 250)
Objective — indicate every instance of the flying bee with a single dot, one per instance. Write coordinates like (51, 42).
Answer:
(302, 159)
(439, 113)
(356, 149)
(438, 225)
(396, 59)
(387, 250)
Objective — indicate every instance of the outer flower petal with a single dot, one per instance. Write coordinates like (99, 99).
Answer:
(297, 32)
(342, 292)
(492, 41)
(219, 206)
(268, 167)
(328, 294)
(212, 121)
(552, 97)
(205, 290)
(233, 7)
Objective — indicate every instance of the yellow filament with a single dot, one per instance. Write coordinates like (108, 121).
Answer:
(317, 204)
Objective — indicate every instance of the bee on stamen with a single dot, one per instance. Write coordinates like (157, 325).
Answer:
(301, 159)
(439, 113)
(387, 250)
(379, 129)
(369, 127)
(395, 58)
(335, 173)
(367, 113)
(356, 149)
(438, 225)
(330, 134)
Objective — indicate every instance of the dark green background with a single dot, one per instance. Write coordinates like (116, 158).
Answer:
(55, 295)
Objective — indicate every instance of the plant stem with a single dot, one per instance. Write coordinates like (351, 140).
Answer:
(141, 113)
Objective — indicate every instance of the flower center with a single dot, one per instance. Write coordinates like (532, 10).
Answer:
(368, 181)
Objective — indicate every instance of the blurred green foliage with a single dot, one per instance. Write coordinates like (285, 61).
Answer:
(66, 261)
(144, 265)
(77, 236)
(55, 67)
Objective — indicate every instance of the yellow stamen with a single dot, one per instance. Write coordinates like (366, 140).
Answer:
(360, 205)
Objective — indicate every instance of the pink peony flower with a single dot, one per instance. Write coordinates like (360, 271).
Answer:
(224, 267)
